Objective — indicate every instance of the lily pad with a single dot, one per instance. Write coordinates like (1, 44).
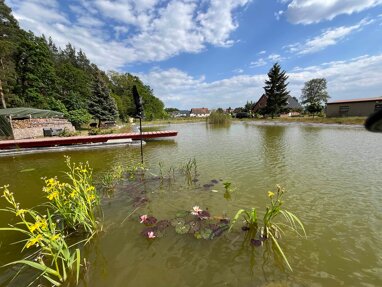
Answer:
(182, 213)
(177, 221)
(182, 229)
(205, 233)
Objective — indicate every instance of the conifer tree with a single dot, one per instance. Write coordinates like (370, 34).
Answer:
(276, 91)
(101, 105)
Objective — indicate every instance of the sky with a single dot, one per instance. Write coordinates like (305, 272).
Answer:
(217, 53)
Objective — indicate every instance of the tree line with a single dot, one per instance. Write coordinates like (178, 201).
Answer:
(313, 97)
(34, 72)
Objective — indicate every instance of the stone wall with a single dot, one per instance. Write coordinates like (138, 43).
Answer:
(33, 128)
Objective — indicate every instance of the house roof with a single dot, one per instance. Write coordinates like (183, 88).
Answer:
(356, 100)
(199, 111)
(292, 103)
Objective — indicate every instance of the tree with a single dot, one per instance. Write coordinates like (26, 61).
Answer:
(10, 35)
(276, 91)
(36, 77)
(314, 95)
(101, 105)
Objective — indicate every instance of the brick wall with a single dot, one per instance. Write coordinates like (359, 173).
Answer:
(33, 128)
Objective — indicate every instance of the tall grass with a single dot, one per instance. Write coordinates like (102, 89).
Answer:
(218, 117)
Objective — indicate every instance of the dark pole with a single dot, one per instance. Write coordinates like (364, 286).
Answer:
(140, 130)
(139, 114)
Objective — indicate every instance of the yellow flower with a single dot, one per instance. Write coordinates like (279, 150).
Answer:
(34, 241)
(53, 195)
(20, 212)
(55, 237)
(73, 194)
(271, 194)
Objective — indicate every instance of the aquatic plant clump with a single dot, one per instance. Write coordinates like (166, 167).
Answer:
(75, 202)
(258, 232)
(197, 222)
(73, 209)
(51, 254)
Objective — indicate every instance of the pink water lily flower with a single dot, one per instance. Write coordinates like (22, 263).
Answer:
(196, 210)
(151, 234)
(143, 218)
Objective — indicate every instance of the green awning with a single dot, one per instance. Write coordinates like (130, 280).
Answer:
(22, 113)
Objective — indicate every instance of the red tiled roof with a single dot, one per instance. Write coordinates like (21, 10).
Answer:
(356, 100)
(199, 111)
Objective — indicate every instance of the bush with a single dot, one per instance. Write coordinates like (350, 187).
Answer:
(79, 117)
(218, 117)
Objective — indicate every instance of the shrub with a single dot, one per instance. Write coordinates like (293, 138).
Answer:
(218, 117)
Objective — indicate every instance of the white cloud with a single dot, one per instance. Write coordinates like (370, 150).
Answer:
(259, 63)
(122, 32)
(328, 38)
(275, 58)
(355, 78)
(314, 11)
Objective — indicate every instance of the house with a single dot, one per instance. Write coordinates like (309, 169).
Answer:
(199, 112)
(24, 123)
(293, 104)
(354, 107)
(184, 113)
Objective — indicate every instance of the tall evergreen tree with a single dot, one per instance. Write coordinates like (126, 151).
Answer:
(276, 91)
(10, 36)
(101, 105)
(36, 81)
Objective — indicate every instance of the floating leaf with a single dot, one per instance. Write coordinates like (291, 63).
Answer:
(182, 213)
(182, 229)
(205, 233)
(176, 221)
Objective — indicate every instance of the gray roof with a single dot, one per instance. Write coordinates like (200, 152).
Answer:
(293, 104)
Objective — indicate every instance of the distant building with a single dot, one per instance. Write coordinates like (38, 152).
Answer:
(184, 113)
(354, 107)
(199, 112)
(293, 104)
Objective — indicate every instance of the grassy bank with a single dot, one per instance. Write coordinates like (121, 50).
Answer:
(323, 120)
(318, 120)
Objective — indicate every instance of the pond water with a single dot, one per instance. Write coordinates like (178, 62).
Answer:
(333, 180)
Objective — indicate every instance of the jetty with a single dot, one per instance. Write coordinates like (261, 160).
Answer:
(79, 140)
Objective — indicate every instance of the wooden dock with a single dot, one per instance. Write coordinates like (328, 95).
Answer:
(62, 141)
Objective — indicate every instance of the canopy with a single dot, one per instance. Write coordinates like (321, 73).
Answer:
(22, 113)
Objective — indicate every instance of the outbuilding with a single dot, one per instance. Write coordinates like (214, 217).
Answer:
(354, 107)
(25, 123)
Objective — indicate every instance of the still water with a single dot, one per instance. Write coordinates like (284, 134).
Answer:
(333, 178)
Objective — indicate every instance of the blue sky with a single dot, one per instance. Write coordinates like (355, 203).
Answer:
(216, 53)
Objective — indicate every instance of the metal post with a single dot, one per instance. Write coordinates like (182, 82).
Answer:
(140, 130)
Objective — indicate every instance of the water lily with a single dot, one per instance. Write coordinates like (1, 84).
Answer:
(196, 210)
(143, 218)
(150, 235)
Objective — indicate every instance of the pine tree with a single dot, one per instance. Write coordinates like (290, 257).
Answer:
(101, 105)
(36, 81)
(276, 91)
(10, 35)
